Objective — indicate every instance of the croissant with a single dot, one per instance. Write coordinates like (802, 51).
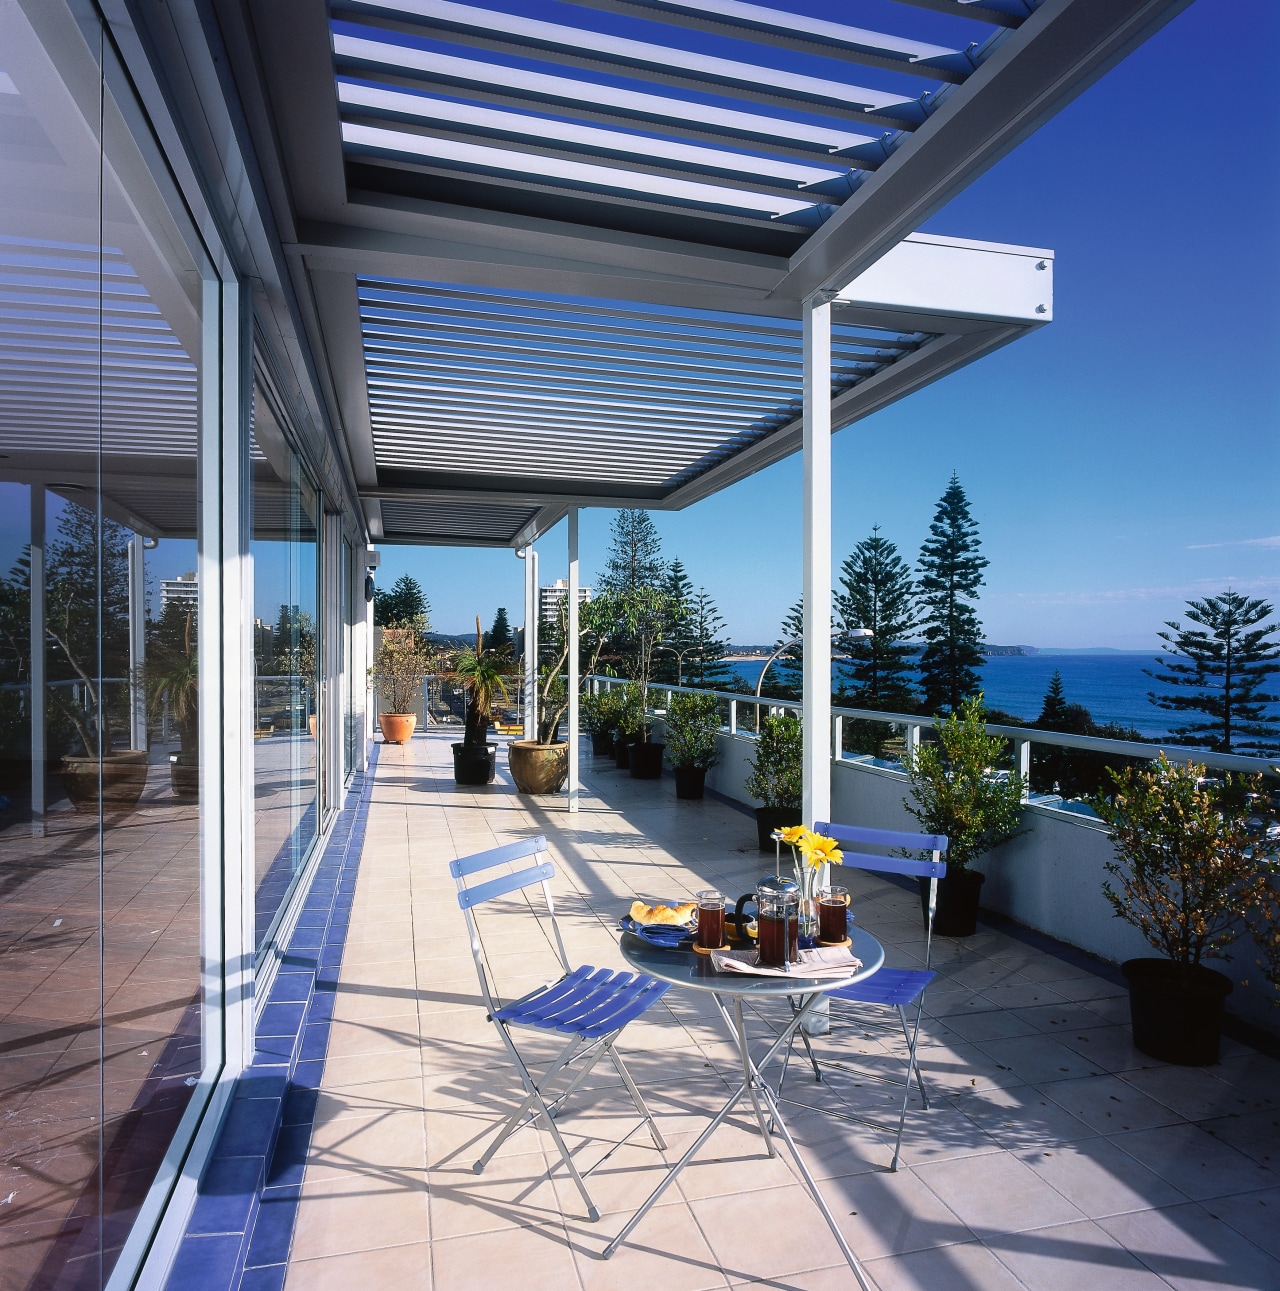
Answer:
(649, 915)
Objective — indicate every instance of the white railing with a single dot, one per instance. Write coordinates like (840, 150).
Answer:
(913, 725)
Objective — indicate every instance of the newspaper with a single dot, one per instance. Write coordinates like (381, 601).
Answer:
(821, 961)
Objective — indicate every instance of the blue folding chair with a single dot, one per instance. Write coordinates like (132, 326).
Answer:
(590, 1005)
(890, 988)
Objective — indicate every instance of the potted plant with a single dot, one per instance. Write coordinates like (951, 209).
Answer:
(482, 674)
(645, 613)
(1186, 871)
(541, 765)
(628, 723)
(171, 676)
(692, 724)
(87, 607)
(599, 716)
(398, 668)
(777, 776)
(955, 791)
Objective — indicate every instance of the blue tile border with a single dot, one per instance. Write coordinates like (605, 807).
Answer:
(241, 1227)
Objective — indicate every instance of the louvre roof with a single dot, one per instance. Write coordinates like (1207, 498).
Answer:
(555, 251)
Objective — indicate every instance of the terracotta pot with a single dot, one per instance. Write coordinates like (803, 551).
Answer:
(397, 728)
(690, 782)
(474, 763)
(184, 775)
(1176, 1010)
(123, 778)
(958, 893)
(646, 761)
(313, 720)
(538, 768)
(770, 818)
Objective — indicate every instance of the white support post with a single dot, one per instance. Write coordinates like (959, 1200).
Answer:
(37, 707)
(574, 659)
(530, 643)
(1022, 766)
(733, 717)
(137, 643)
(837, 737)
(816, 719)
(911, 734)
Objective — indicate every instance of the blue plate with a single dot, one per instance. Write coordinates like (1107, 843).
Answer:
(666, 936)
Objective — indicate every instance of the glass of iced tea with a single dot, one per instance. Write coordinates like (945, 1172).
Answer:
(710, 919)
(833, 914)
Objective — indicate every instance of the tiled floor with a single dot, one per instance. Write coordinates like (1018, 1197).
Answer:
(1054, 1155)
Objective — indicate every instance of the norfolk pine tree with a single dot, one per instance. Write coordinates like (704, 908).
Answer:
(706, 665)
(950, 575)
(1226, 662)
(878, 593)
(677, 643)
(635, 555)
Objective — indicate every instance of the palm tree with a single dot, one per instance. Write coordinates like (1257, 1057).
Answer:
(480, 673)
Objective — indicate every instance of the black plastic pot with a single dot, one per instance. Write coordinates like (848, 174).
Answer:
(621, 751)
(690, 782)
(1176, 1010)
(474, 763)
(770, 818)
(957, 912)
(646, 761)
(601, 743)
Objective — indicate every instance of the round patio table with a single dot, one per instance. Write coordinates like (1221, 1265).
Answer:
(694, 972)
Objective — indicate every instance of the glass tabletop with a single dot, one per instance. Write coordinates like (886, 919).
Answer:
(688, 968)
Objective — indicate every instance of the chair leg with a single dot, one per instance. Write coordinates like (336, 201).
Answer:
(913, 1037)
(636, 1097)
(517, 1118)
(786, 1057)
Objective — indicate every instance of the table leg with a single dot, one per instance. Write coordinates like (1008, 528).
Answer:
(780, 1125)
(751, 1074)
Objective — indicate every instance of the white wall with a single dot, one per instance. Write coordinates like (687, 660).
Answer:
(1049, 878)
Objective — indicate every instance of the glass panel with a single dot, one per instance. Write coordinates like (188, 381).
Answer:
(101, 326)
(286, 568)
(348, 674)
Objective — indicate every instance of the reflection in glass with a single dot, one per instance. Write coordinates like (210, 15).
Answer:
(101, 324)
(286, 571)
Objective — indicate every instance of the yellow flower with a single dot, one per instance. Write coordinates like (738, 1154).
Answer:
(820, 850)
(794, 835)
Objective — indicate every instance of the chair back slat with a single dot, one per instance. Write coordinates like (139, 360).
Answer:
(523, 847)
(469, 897)
(895, 864)
(882, 837)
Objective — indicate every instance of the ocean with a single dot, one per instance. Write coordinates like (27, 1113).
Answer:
(1113, 687)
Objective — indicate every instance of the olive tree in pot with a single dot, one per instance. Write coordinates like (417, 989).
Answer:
(398, 669)
(172, 678)
(1187, 872)
(482, 674)
(645, 613)
(955, 791)
(692, 723)
(777, 776)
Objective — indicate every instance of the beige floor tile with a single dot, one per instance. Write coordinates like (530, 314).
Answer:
(997, 1194)
(390, 1266)
(667, 1250)
(967, 1266)
(388, 1146)
(530, 1256)
(338, 1217)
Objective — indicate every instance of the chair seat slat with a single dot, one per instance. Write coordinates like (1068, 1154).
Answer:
(893, 986)
(628, 1006)
(555, 996)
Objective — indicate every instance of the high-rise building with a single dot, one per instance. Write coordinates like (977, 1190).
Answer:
(183, 590)
(551, 598)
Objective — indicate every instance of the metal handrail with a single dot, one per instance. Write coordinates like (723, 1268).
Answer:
(1017, 734)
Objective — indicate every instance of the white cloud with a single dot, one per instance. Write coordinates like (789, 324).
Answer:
(1239, 542)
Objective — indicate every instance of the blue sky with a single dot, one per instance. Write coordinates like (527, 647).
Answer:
(1119, 461)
